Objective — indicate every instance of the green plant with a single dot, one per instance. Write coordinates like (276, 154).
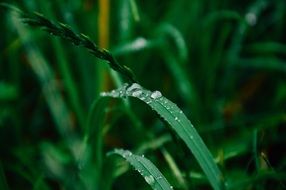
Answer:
(59, 118)
(168, 110)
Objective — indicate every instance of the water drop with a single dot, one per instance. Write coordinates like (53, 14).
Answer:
(137, 93)
(127, 153)
(133, 87)
(149, 179)
(181, 112)
(156, 94)
(122, 94)
(176, 118)
(113, 93)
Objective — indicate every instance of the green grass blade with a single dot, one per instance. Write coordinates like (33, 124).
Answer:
(134, 10)
(180, 123)
(93, 134)
(175, 169)
(146, 168)
(268, 64)
(178, 40)
(268, 47)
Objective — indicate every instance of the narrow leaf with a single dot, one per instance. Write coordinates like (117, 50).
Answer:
(179, 123)
(146, 168)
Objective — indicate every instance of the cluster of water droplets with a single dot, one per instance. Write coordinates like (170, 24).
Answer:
(172, 108)
(149, 178)
(178, 115)
(152, 180)
(134, 90)
(124, 153)
(118, 93)
(137, 91)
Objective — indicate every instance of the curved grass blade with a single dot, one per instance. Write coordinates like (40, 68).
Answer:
(177, 37)
(146, 168)
(94, 127)
(180, 123)
(65, 32)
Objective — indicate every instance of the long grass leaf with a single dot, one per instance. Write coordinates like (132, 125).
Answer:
(268, 64)
(146, 168)
(180, 124)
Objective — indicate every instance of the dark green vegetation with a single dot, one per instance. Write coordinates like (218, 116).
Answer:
(222, 63)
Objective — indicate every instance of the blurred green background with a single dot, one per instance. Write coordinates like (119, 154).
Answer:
(222, 62)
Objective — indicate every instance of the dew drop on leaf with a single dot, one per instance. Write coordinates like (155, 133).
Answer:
(148, 102)
(137, 93)
(133, 87)
(127, 153)
(156, 94)
(149, 179)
